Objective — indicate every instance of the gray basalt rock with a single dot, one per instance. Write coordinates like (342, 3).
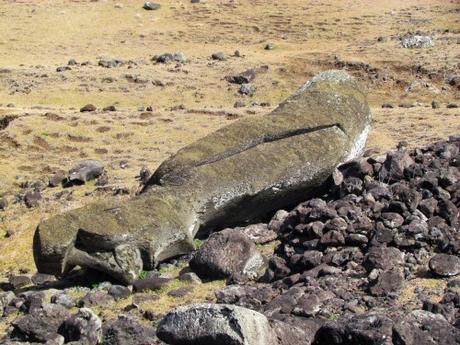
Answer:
(445, 265)
(85, 171)
(215, 324)
(228, 254)
(85, 328)
(240, 173)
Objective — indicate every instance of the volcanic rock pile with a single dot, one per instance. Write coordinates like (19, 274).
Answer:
(372, 260)
(349, 261)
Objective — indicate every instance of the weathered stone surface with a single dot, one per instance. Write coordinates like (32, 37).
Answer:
(424, 328)
(41, 324)
(228, 254)
(215, 324)
(85, 171)
(128, 331)
(151, 283)
(259, 233)
(85, 327)
(356, 330)
(445, 265)
(241, 172)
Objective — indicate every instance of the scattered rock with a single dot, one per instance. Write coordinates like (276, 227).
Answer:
(417, 41)
(242, 78)
(42, 279)
(219, 56)
(151, 6)
(127, 331)
(63, 69)
(85, 170)
(32, 198)
(119, 292)
(435, 105)
(40, 325)
(83, 328)
(269, 46)
(247, 89)
(181, 292)
(259, 233)
(167, 57)
(57, 179)
(151, 283)
(3, 203)
(219, 324)
(95, 298)
(88, 108)
(228, 254)
(63, 299)
(190, 277)
(110, 108)
(356, 329)
(445, 265)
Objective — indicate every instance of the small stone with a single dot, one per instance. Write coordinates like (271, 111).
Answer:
(445, 265)
(32, 198)
(84, 328)
(452, 106)
(151, 6)
(86, 170)
(41, 278)
(388, 282)
(63, 69)
(269, 46)
(181, 292)
(63, 299)
(435, 105)
(190, 277)
(259, 233)
(387, 106)
(119, 292)
(239, 104)
(40, 325)
(110, 108)
(128, 331)
(151, 283)
(56, 179)
(247, 89)
(95, 298)
(88, 108)
(3, 203)
(17, 282)
(417, 41)
(220, 56)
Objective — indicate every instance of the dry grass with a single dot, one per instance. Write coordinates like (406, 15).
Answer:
(435, 289)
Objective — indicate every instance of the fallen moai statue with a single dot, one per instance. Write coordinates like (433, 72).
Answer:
(239, 173)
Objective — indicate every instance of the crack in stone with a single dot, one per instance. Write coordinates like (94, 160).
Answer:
(183, 172)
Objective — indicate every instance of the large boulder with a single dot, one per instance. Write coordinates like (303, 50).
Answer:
(228, 254)
(240, 173)
(215, 324)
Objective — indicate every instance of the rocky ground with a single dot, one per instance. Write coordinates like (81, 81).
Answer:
(100, 88)
(373, 260)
